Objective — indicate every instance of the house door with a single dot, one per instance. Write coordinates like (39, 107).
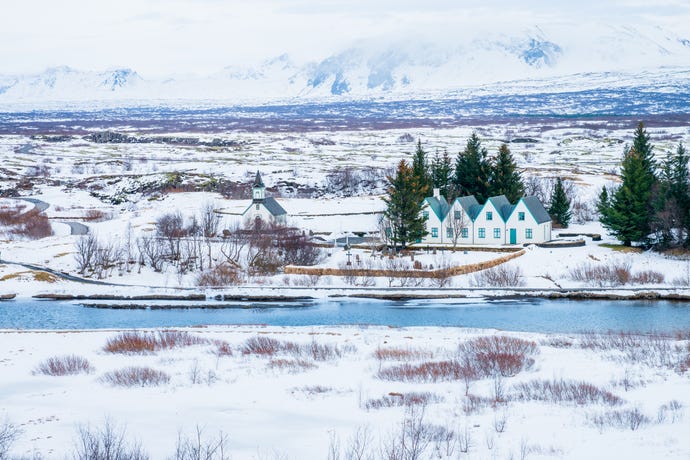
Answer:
(513, 236)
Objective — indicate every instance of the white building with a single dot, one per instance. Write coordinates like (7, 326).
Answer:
(263, 207)
(496, 222)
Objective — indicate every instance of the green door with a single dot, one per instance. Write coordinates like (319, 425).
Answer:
(513, 236)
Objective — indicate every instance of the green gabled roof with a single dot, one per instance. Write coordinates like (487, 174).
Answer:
(439, 205)
(502, 206)
(536, 208)
(470, 205)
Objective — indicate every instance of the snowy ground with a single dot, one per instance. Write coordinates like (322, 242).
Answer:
(291, 406)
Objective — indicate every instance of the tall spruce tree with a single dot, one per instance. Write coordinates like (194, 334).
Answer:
(441, 171)
(630, 210)
(420, 169)
(560, 205)
(672, 203)
(472, 171)
(404, 207)
(505, 178)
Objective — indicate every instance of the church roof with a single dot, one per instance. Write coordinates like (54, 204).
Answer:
(273, 207)
(258, 182)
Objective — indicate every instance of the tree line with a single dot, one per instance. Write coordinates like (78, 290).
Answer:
(651, 206)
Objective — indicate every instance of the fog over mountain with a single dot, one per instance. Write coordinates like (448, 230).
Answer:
(559, 55)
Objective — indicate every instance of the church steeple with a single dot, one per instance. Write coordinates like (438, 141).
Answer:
(258, 188)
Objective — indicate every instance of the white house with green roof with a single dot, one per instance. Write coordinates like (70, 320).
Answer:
(497, 222)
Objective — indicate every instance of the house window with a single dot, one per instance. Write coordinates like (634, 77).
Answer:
(521, 216)
(528, 233)
(425, 214)
(465, 232)
(257, 207)
(457, 215)
(497, 232)
(489, 215)
(449, 232)
(434, 232)
(482, 233)
(389, 233)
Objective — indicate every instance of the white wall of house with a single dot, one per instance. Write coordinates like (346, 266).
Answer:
(433, 222)
(489, 227)
(526, 228)
(463, 221)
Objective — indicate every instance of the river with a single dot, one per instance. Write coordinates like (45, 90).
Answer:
(531, 315)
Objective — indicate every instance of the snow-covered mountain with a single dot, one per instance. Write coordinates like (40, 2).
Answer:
(387, 67)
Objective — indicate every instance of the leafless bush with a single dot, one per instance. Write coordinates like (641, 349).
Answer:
(315, 389)
(621, 419)
(583, 211)
(106, 443)
(85, 251)
(615, 273)
(562, 391)
(557, 342)
(647, 277)
(219, 276)
(654, 350)
(150, 252)
(268, 346)
(142, 342)
(291, 365)
(498, 355)
(97, 215)
(430, 371)
(401, 354)
(223, 348)
(673, 410)
(171, 229)
(8, 435)
(64, 365)
(500, 276)
(357, 447)
(402, 399)
(136, 376)
(31, 224)
(473, 404)
(412, 440)
(500, 421)
(200, 447)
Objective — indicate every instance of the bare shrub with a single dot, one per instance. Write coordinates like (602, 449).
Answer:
(562, 391)
(200, 447)
(312, 390)
(106, 443)
(413, 438)
(647, 277)
(223, 348)
(614, 273)
(401, 354)
(322, 352)
(142, 342)
(219, 276)
(500, 276)
(473, 404)
(499, 355)
(557, 342)
(32, 224)
(8, 435)
(64, 365)
(267, 346)
(621, 419)
(654, 350)
(402, 399)
(291, 365)
(97, 215)
(430, 371)
(136, 376)
(673, 410)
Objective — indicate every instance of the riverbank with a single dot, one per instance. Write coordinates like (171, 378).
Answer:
(296, 392)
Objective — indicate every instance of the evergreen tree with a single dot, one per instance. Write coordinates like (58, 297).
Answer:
(603, 202)
(420, 169)
(628, 213)
(560, 205)
(441, 171)
(405, 223)
(505, 178)
(672, 203)
(472, 171)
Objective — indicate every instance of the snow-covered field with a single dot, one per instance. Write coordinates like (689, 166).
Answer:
(324, 387)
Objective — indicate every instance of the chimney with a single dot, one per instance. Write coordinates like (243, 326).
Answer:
(437, 193)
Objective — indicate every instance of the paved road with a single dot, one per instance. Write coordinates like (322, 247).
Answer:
(76, 228)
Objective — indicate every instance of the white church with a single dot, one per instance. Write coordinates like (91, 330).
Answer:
(263, 207)
(496, 222)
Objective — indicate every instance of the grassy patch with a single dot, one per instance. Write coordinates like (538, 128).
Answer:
(37, 276)
(621, 248)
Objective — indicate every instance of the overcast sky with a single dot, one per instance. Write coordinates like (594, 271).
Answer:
(163, 37)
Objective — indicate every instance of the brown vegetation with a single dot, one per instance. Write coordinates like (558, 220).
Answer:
(136, 342)
(64, 365)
